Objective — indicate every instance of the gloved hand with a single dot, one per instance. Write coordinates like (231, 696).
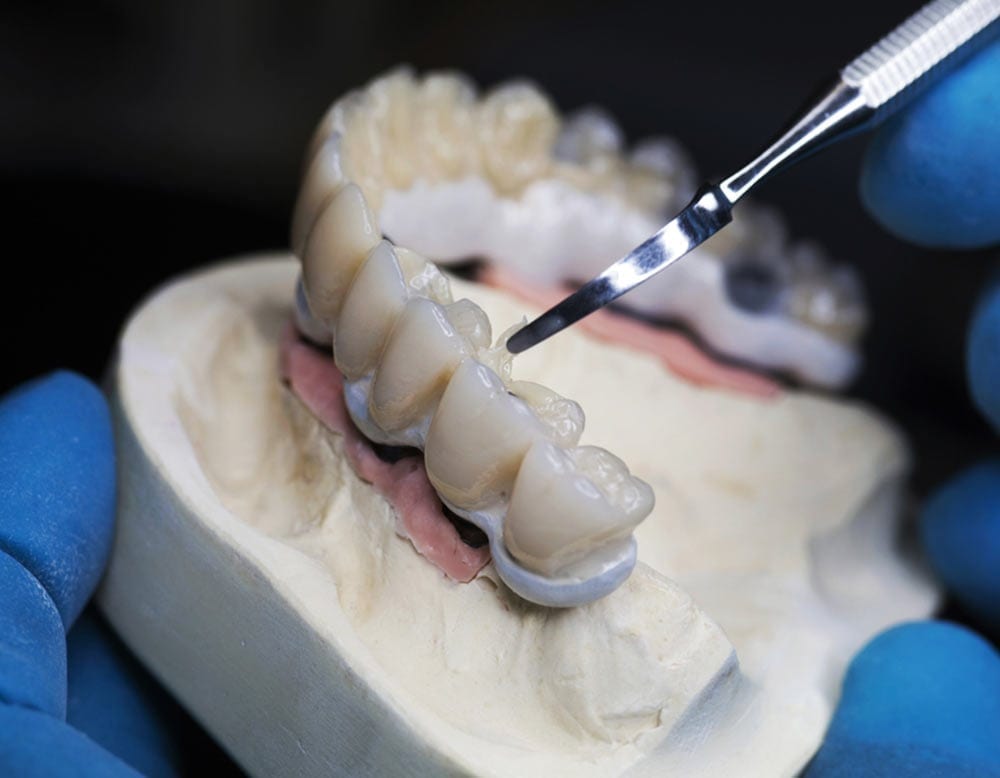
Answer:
(57, 504)
(924, 699)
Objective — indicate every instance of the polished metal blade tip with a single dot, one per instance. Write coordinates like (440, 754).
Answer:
(528, 336)
(585, 300)
(702, 218)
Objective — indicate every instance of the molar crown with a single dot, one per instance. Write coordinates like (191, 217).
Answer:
(567, 503)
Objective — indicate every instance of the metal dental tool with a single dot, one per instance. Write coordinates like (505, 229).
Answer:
(869, 89)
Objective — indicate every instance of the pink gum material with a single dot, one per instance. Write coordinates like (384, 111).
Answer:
(315, 380)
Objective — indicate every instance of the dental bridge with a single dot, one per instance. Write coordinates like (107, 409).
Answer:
(421, 370)
(501, 454)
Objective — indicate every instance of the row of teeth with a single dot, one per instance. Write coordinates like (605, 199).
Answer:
(503, 177)
(422, 370)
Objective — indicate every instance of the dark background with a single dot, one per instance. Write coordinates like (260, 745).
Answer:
(141, 138)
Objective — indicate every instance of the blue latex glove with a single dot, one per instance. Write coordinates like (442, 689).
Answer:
(924, 699)
(57, 502)
(920, 700)
(932, 174)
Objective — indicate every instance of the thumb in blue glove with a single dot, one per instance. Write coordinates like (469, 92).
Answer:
(57, 502)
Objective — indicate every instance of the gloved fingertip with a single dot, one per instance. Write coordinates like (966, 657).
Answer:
(930, 173)
(921, 699)
(960, 531)
(57, 485)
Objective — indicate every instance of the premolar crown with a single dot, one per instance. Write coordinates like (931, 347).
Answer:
(567, 503)
(340, 240)
(478, 438)
(422, 352)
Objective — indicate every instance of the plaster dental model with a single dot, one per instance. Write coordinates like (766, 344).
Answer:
(284, 561)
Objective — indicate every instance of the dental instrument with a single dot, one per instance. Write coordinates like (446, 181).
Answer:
(872, 87)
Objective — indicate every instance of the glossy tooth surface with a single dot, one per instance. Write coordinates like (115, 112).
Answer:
(478, 437)
(472, 322)
(567, 503)
(587, 151)
(323, 177)
(373, 302)
(340, 240)
(446, 127)
(422, 352)
(562, 417)
(517, 127)
(306, 322)
(589, 135)
(333, 121)
(424, 278)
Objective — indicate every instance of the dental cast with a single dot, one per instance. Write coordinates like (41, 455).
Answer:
(274, 591)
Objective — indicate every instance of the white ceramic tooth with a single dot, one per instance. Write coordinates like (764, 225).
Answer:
(666, 157)
(306, 321)
(424, 277)
(478, 437)
(324, 176)
(588, 135)
(562, 417)
(517, 127)
(392, 108)
(568, 503)
(472, 322)
(340, 240)
(446, 127)
(661, 176)
(832, 302)
(373, 302)
(589, 146)
(419, 357)
(333, 121)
